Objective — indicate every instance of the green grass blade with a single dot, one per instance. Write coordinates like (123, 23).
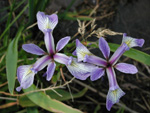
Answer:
(133, 53)
(11, 61)
(44, 101)
(7, 28)
(31, 12)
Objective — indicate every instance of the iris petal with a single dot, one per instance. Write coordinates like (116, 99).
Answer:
(41, 63)
(103, 46)
(25, 76)
(118, 53)
(132, 42)
(112, 78)
(50, 70)
(81, 51)
(61, 58)
(95, 60)
(33, 49)
(62, 43)
(46, 22)
(97, 73)
(49, 42)
(80, 70)
(126, 68)
(113, 97)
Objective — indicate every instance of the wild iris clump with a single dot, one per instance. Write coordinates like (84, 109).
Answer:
(83, 65)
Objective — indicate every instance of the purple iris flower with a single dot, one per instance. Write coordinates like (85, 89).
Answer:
(26, 73)
(108, 65)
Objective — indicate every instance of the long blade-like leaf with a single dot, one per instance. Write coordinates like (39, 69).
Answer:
(24, 101)
(44, 101)
(11, 61)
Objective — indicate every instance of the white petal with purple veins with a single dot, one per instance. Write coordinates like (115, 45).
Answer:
(50, 70)
(81, 51)
(62, 43)
(80, 70)
(113, 97)
(46, 22)
(25, 76)
(103, 46)
(132, 42)
(126, 68)
(33, 49)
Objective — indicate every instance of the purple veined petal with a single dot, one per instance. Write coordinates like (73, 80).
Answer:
(80, 70)
(53, 20)
(49, 42)
(25, 76)
(74, 53)
(50, 70)
(62, 43)
(112, 78)
(41, 63)
(95, 60)
(46, 22)
(113, 97)
(61, 58)
(97, 73)
(126, 68)
(22, 71)
(33, 49)
(118, 53)
(103, 46)
(27, 81)
(81, 51)
(114, 93)
(132, 42)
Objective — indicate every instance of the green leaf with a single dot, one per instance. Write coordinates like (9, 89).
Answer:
(32, 110)
(44, 101)
(24, 101)
(11, 61)
(65, 95)
(133, 53)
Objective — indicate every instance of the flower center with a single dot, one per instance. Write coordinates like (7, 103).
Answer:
(52, 55)
(108, 65)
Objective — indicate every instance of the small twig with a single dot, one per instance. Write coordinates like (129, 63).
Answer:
(61, 71)
(146, 103)
(2, 57)
(31, 26)
(8, 105)
(39, 90)
(57, 93)
(7, 98)
(1, 85)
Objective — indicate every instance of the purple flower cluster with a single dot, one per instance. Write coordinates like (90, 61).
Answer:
(108, 65)
(86, 64)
